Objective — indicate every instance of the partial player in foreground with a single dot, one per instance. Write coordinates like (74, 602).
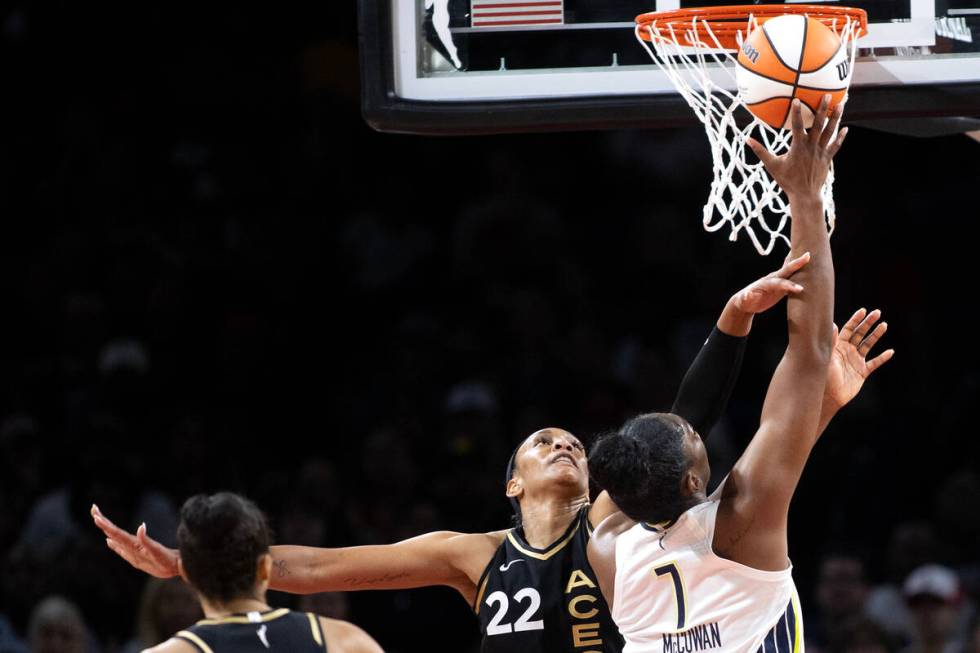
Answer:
(683, 571)
(223, 540)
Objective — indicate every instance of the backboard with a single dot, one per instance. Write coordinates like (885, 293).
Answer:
(490, 66)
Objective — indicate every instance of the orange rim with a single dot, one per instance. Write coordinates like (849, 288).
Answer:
(728, 21)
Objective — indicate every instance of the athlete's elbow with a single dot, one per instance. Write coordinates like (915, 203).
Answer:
(812, 354)
(814, 343)
(823, 346)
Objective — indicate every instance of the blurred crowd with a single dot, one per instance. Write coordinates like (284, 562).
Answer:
(216, 277)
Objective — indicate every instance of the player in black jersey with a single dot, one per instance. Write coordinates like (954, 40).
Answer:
(223, 542)
(531, 586)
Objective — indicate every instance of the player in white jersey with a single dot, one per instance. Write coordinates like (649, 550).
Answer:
(685, 572)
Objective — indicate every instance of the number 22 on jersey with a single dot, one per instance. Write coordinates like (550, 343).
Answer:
(524, 622)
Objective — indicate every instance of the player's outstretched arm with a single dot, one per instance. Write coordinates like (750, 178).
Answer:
(849, 366)
(440, 558)
(751, 525)
(708, 383)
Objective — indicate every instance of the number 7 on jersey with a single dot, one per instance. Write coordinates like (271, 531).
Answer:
(675, 575)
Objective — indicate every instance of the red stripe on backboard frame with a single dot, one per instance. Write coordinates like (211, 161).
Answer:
(494, 14)
(533, 12)
(556, 21)
(479, 5)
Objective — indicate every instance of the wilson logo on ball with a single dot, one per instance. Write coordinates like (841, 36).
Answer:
(788, 57)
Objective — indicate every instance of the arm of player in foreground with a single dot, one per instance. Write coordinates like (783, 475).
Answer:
(849, 366)
(707, 386)
(752, 517)
(440, 558)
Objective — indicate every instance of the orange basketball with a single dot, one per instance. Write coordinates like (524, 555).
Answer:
(791, 57)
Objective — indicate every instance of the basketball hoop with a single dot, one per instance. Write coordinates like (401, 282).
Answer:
(696, 49)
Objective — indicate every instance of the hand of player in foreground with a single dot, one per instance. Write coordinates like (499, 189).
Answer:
(802, 171)
(849, 367)
(763, 294)
(140, 550)
(759, 296)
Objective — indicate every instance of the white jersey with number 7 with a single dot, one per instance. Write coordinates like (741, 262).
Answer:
(674, 595)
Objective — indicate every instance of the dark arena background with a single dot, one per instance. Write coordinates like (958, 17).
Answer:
(216, 276)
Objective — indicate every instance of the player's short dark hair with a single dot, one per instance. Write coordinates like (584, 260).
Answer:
(641, 466)
(220, 538)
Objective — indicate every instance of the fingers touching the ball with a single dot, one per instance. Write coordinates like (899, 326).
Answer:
(831, 128)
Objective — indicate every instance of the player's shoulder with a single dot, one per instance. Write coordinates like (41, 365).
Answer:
(602, 544)
(345, 637)
(612, 526)
(494, 538)
(475, 543)
(480, 548)
(602, 507)
(467, 552)
(467, 544)
(172, 645)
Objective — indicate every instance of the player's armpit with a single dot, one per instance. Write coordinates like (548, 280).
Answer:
(741, 535)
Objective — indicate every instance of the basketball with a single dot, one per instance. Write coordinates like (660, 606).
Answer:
(788, 57)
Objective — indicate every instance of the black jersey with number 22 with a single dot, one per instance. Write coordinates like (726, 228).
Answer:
(545, 600)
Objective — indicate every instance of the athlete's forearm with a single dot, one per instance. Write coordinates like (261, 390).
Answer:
(300, 569)
(708, 383)
(828, 410)
(810, 314)
(733, 321)
(416, 562)
(309, 570)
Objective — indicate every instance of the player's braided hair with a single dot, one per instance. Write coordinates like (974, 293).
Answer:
(641, 466)
(220, 539)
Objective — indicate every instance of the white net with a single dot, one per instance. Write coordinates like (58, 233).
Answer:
(743, 196)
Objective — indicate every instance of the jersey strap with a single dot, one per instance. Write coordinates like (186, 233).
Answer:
(195, 641)
(317, 629)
